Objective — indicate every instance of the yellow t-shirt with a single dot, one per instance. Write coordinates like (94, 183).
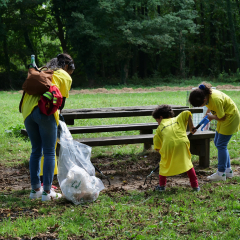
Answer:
(172, 140)
(220, 105)
(62, 80)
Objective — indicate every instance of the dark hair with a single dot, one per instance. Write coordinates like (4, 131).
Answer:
(61, 61)
(196, 97)
(164, 111)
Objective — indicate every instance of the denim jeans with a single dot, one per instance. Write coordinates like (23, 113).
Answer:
(221, 142)
(42, 131)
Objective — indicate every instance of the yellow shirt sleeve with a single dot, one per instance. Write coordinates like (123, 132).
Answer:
(157, 140)
(183, 118)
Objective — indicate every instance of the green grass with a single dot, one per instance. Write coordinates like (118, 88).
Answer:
(213, 213)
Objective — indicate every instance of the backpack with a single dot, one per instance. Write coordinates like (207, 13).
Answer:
(50, 101)
(37, 83)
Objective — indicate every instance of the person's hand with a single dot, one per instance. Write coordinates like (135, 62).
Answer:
(193, 130)
(223, 118)
(211, 117)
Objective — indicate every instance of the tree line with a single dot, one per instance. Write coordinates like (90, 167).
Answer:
(120, 39)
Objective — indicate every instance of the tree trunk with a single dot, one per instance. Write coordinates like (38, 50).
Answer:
(8, 83)
(102, 66)
(233, 33)
(26, 36)
(202, 38)
(211, 54)
(124, 71)
(142, 64)
(182, 55)
(134, 60)
(238, 6)
(60, 26)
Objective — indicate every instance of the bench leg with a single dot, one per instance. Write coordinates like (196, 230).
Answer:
(147, 146)
(204, 157)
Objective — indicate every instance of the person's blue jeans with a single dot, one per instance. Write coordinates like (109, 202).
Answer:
(42, 131)
(221, 142)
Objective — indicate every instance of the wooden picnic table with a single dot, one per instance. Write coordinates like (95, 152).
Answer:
(88, 113)
(199, 142)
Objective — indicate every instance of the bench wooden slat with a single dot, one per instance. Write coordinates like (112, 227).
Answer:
(143, 138)
(112, 114)
(108, 128)
(113, 128)
(119, 140)
(129, 108)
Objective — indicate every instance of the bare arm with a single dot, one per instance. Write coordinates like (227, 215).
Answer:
(208, 111)
(214, 117)
(191, 126)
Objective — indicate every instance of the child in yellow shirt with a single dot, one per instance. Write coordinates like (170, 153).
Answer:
(225, 111)
(172, 143)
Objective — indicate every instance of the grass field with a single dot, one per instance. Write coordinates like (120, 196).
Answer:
(213, 213)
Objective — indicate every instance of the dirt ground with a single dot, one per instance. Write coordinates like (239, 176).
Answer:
(141, 90)
(123, 173)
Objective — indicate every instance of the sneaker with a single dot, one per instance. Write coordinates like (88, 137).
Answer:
(229, 174)
(49, 196)
(36, 194)
(216, 177)
(160, 188)
(196, 189)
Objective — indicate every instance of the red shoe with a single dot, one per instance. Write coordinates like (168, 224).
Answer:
(53, 187)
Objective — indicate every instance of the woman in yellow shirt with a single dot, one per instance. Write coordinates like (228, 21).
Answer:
(172, 143)
(221, 108)
(42, 129)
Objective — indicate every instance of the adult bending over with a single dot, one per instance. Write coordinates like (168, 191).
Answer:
(42, 129)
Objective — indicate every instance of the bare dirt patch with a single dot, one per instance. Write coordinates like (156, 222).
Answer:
(143, 90)
(124, 173)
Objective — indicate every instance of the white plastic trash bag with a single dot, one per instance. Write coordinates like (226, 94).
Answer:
(76, 174)
(80, 187)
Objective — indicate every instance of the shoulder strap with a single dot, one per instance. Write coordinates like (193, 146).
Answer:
(43, 68)
(20, 104)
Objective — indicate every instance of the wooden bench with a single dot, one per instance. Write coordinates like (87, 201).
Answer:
(199, 142)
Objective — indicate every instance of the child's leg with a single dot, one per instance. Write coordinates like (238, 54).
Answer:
(162, 181)
(193, 178)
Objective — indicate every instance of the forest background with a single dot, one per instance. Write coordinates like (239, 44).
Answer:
(119, 42)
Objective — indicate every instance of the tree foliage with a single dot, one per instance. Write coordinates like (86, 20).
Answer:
(119, 39)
